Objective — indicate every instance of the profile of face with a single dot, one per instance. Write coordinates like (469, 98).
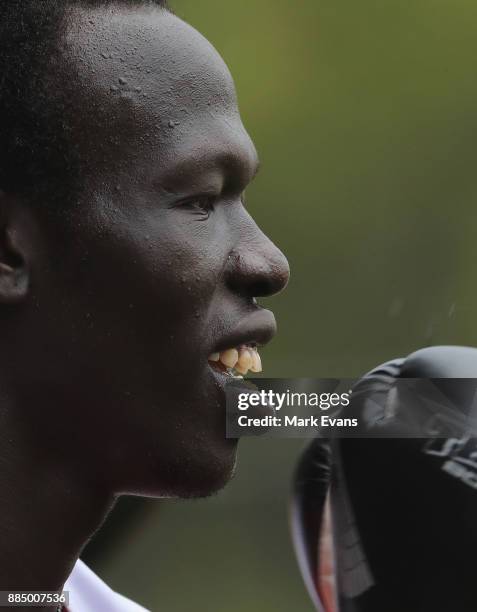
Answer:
(155, 267)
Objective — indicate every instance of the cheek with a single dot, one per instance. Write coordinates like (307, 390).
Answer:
(184, 255)
(183, 264)
(146, 278)
(156, 274)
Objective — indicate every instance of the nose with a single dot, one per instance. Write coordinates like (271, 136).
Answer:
(256, 267)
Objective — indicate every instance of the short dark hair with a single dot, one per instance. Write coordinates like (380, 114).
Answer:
(35, 148)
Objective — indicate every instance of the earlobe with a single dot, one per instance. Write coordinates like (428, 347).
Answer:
(14, 277)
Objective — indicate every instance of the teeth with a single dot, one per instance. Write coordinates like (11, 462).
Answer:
(229, 358)
(240, 369)
(243, 359)
(256, 362)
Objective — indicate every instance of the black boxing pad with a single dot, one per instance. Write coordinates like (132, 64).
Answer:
(403, 508)
(310, 489)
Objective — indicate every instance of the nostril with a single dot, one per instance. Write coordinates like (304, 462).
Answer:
(258, 276)
(262, 288)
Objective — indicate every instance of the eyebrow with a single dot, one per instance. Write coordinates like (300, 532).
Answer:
(227, 163)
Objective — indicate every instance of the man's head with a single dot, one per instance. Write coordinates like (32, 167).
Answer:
(126, 254)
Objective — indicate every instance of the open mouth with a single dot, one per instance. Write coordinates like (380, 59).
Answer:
(237, 362)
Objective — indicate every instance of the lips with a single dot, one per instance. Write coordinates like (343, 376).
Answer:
(238, 352)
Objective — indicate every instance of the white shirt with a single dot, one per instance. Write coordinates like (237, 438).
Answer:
(88, 593)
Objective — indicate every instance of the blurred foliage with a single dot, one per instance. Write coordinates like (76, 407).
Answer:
(364, 115)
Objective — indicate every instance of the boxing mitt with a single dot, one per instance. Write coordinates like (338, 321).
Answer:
(403, 492)
(310, 489)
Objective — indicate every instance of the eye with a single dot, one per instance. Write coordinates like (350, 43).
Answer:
(202, 205)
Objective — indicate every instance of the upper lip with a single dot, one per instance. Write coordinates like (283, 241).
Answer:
(257, 328)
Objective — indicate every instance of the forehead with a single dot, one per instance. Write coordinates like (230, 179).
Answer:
(149, 48)
(143, 78)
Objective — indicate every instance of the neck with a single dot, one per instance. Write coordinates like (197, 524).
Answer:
(48, 511)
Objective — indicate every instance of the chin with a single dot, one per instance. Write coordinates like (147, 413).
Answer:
(196, 473)
(211, 480)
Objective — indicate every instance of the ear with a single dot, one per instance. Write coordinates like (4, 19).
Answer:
(14, 274)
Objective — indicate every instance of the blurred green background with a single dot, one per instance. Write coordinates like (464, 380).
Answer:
(365, 118)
